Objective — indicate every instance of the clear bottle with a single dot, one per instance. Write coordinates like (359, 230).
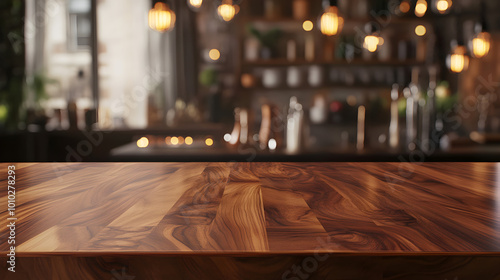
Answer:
(412, 95)
(428, 123)
(294, 126)
(394, 124)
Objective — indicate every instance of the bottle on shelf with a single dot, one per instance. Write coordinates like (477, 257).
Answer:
(429, 113)
(78, 95)
(294, 126)
(300, 9)
(394, 124)
(360, 143)
(309, 48)
(412, 95)
(235, 134)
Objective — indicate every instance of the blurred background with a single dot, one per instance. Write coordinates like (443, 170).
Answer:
(269, 80)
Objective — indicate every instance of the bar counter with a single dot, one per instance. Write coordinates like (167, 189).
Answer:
(264, 220)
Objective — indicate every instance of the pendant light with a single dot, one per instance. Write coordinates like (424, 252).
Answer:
(481, 43)
(458, 60)
(442, 6)
(161, 18)
(420, 8)
(372, 39)
(330, 22)
(226, 10)
(194, 4)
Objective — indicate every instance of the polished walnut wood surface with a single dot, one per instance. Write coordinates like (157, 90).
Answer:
(256, 208)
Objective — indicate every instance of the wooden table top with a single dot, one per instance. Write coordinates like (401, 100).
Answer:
(180, 208)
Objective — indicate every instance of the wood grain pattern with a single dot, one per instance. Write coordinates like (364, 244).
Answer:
(256, 207)
(226, 219)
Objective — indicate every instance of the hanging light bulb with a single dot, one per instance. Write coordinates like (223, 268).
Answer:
(458, 60)
(420, 8)
(194, 4)
(372, 40)
(442, 6)
(161, 18)
(226, 10)
(481, 43)
(331, 23)
(371, 43)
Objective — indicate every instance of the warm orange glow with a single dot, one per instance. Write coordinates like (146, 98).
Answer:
(404, 7)
(372, 42)
(168, 140)
(188, 140)
(481, 44)
(420, 30)
(174, 140)
(307, 25)
(209, 142)
(181, 140)
(161, 18)
(195, 3)
(226, 10)
(442, 6)
(458, 61)
(331, 23)
(214, 54)
(143, 142)
(420, 8)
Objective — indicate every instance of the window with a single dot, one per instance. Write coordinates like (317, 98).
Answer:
(79, 27)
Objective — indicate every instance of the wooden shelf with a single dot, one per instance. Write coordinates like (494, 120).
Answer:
(281, 62)
(357, 86)
(348, 21)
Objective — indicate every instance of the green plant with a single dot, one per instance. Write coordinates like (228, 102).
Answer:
(208, 77)
(38, 86)
(12, 61)
(266, 38)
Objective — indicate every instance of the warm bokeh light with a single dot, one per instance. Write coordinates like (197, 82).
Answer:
(209, 142)
(188, 140)
(214, 54)
(226, 10)
(174, 140)
(404, 6)
(307, 25)
(181, 140)
(420, 8)
(247, 80)
(458, 61)
(161, 18)
(481, 44)
(168, 140)
(371, 43)
(143, 142)
(195, 3)
(442, 6)
(331, 22)
(420, 30)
